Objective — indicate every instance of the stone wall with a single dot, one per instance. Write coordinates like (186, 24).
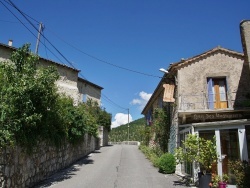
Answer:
(103, 135)
(18, 169)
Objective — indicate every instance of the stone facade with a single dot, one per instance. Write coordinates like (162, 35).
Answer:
(89, 91)
(19, 169)
(212, 99)
(69, 83)
(193, 74)
(68, 80)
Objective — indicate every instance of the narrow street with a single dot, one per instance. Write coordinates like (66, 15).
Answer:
(118, 166)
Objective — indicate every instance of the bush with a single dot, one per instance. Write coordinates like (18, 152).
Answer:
(31, 108)
(166, 163)
(241, 171)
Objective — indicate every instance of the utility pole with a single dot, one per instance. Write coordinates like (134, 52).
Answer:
(38, 37)
(128, 124)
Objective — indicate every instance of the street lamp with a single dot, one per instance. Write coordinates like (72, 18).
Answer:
(163, 70)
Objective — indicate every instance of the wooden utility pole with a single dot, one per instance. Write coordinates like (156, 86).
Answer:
(38, 37)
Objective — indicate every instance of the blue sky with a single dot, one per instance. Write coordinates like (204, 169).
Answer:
(142, 36)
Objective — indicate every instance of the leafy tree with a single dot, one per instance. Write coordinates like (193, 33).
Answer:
(27, 95)
(32, 110)
(136, 131)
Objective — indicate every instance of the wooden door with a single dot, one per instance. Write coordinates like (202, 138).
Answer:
(220, 93)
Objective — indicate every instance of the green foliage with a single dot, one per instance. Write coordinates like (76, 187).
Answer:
(27, 98)
(136, 132)
(161, 128)
(196, 149)
(150, 154)
(31, 108)
(103, 118)
(241, 171)
(166, 163)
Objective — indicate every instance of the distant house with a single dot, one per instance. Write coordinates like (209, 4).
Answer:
(209, 94)
(89, 91)
(69, 83)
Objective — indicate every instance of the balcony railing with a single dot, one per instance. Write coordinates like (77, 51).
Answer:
(200, 102)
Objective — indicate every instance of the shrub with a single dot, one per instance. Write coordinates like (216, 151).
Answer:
(31, 108)
(241, 171)
(166, 163)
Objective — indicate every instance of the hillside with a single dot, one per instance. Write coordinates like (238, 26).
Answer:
(120, 133)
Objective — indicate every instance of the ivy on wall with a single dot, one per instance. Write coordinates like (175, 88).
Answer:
(161, 127)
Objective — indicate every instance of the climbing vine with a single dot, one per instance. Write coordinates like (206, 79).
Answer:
(161, 128)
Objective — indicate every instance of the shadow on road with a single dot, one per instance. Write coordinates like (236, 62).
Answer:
(65, 173)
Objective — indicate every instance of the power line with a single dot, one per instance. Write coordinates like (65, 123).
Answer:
(22, 12)
(41, 33)
(76, 48)
(102, 61)
(28, 28)
(24, 15)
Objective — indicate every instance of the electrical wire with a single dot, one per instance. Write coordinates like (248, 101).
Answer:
(76, 48)
(45, 38)
(100, 60)
(29, 30)
(41, 33)
(23, 12)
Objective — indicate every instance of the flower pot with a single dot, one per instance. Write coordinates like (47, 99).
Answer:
(222, 185)
(204, 180)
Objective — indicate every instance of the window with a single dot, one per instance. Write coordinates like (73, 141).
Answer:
(217, 93)
(84, 98)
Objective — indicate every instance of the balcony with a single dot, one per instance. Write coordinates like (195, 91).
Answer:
(200, 102)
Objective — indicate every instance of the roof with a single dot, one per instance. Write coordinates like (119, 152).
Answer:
(90, 83)
(59, 64)
(175, 66)
(204, 55)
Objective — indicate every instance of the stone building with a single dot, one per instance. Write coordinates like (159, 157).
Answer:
(69, 83)
(89, 91)
(209, 94)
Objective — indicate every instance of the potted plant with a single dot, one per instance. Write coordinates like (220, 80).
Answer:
(201, 151)
(219, 181)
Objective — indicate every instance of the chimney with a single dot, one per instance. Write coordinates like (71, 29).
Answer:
(245, 38)
(10, 42)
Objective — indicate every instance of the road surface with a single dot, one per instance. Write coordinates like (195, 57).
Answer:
(117, 166)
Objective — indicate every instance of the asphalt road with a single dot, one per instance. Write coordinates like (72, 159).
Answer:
(118, 166)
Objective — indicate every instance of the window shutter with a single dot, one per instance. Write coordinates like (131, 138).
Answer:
(210, 93)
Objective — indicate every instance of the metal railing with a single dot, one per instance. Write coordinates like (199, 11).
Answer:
(193, 102)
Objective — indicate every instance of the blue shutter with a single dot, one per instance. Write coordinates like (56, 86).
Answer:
(149, 118)
(210, 93)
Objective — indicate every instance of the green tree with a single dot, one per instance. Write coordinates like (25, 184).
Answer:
(28, 97)
(32, 110)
